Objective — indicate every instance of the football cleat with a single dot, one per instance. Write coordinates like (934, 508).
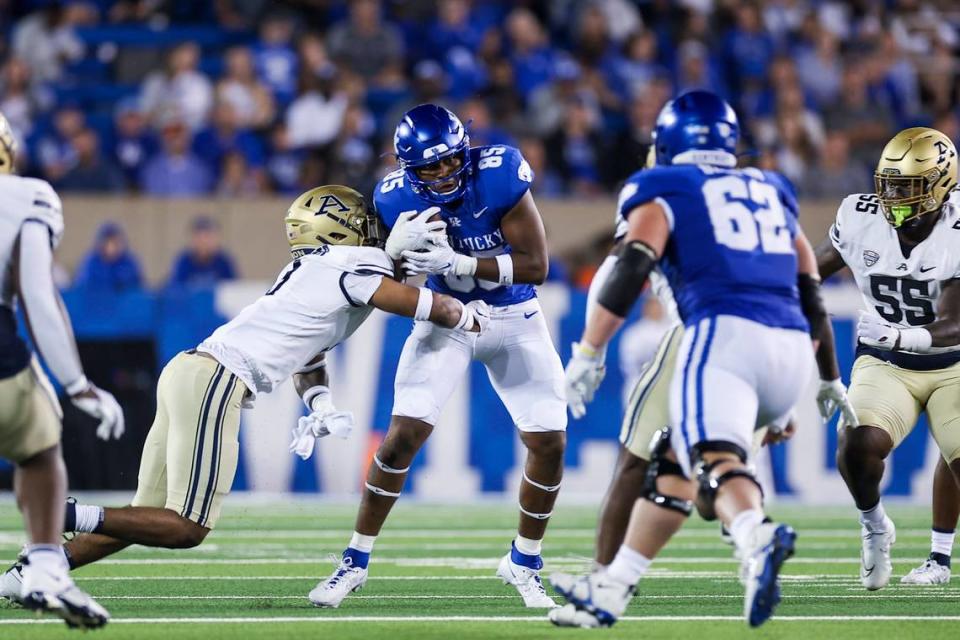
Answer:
(54, 592)
(930, 572)
(569, 616)
(11, 581)
(875, 565)
(345, 579)
(599, 596)
(526, 581)
(760, 570)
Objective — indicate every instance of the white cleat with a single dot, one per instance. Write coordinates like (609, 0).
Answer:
(54, 592)
(10, 582)
(598, 599)
(345, 579)
(527, 583)
(930, 572)
(875, 565)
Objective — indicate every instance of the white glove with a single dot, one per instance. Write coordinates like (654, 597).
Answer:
(832, 396)
(481, 313)
(323, 420)
(439, 257)
(583, 375)
(413, 231)
(874, 332)
(100, 404)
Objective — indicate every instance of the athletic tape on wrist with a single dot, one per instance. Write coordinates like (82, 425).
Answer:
(543, 487)
(381, 492)
(464, 265)
(387, 468)
(315, 392)
(424, 304)
(917, 340)
(505, 267)
(466, 318)
(78, 385)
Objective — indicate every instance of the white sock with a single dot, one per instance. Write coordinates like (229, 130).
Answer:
(528, 546)
(49, 557)
(361, 542)
(628, 566)
(89, 518)
(874, 518)
(743, 525)
(941, 542)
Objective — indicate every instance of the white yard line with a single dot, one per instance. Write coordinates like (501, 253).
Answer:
(806, 580)
(454, 562)
(537, 619)
(448, 596)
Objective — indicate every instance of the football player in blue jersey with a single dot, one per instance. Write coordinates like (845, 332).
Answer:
(494, 249)
(745, 281)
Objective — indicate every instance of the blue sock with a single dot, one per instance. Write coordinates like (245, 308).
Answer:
(524, 560)
(70, 517)
(941, 559)
(357, 558)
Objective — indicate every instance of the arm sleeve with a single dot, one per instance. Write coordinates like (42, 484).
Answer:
(599, 279)
(48, 320)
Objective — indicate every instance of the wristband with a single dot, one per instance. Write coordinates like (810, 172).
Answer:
(466, 320)
(319, 394)
(424, 304)
(917, 340)
(505, 267)
(77, 386)
(464, 265)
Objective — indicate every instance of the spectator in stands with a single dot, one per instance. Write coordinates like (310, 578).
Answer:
(574, 151)
(284, 162)
(92, 172)
(820, 69)
(867, 122)
(45, 40)
(19, 101)
(314, 118)
(53, 153)
(530, 53)
(365, 44)
(225, 135)
(483, 130)
(251, 100)
(547, 104)
(695, 69)
(628, 151)
(795, 151)
(180, 87)
(134, 143)
(175, 171)
(238, 178)
(834, 176)
(204, 262)
(639, 65)
(748, 49)
(354, 152)
(546, 181)
(274, 58)
(429, 85)
(109, 266)
(452, 28)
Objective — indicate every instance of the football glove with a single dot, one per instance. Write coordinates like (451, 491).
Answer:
(583, 375)
(102, 406)
(440, 258)
(874, 332)
(480, 311)
(413, 230)
(831, 396)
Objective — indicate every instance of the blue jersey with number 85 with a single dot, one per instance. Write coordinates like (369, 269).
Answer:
(731, 247)
(499, 178)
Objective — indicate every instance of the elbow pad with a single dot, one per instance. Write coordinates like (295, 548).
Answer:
(635, 261)
(812, 303)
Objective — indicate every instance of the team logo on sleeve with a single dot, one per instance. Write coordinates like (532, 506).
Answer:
(870, 258)
(524, 172)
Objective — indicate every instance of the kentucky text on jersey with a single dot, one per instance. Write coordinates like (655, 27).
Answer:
(499, 178)
(731, 248)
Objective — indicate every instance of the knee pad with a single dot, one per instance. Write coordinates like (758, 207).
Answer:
(661, 466)
(707, 483)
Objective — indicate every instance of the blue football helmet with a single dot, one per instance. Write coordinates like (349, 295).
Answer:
(698, 127)
(427, 134)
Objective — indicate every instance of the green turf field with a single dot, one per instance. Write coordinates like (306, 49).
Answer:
(432, 577)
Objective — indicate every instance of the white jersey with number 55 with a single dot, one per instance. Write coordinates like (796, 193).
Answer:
(901, 289)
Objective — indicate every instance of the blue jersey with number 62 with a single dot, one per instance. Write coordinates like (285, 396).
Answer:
(499, 178)
(731, 247)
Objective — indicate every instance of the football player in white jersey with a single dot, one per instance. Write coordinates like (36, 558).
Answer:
(901, 244)
(31, 225)
(339, 273)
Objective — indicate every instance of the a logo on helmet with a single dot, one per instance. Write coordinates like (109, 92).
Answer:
(435, 151)
(329, 200)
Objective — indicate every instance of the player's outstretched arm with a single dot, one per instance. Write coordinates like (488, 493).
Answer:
(423, 304)
(829, 260)
(636, 258)
(832, 394)
(50, 328)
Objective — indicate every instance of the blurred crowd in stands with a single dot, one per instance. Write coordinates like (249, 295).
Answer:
(243, 97)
